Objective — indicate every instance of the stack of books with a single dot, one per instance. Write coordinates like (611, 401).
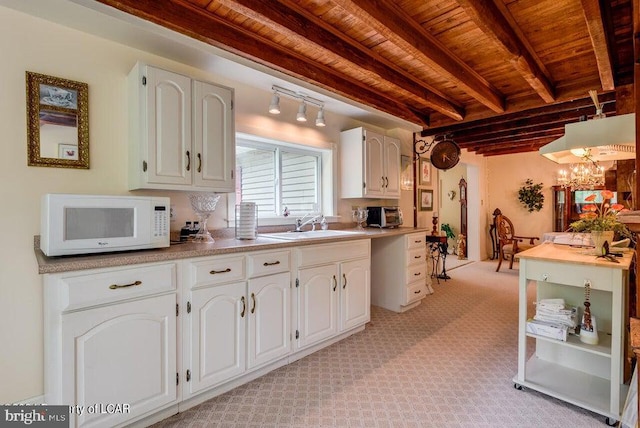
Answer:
(553, 319)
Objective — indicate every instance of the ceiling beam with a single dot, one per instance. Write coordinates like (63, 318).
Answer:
(187, 19)
(486, 15)
(577, 105)
(593, 18)
(399, 28)
(555, 132)
(290, 21)
(516, 127)
(531, 146)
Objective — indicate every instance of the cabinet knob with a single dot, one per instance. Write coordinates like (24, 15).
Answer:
(545, 277)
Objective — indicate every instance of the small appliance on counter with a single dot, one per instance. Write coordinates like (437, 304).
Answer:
(83, 224)
(384, 217)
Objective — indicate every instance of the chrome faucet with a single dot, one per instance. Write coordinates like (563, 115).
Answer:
(313, 221)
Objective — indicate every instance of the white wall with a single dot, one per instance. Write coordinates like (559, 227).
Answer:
(507, 174)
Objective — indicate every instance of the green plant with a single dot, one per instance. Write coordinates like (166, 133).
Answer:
(530, 195)
(447, 230)
(600, 217)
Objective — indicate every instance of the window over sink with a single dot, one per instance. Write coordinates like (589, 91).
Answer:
(279, 175)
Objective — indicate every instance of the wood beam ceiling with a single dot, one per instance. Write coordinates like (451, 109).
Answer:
(493, 23)
(296, 23)
(399, 28)
(593, 17)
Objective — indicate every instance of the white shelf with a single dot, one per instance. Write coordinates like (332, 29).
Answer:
(573, 386)
(603, 348)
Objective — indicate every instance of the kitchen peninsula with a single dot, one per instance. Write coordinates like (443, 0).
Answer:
(211, 316)
(589, 376)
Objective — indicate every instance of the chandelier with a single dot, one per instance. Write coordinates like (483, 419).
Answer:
(585, 175)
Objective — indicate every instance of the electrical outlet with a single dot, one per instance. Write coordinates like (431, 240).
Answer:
(172, 213)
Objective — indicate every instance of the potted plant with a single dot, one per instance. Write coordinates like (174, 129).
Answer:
(601, 220)
(449, 232)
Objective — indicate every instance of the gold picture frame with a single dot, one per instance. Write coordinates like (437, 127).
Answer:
(57, 117)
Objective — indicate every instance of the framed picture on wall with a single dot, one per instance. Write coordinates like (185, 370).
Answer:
(425, 199)
(424, 174)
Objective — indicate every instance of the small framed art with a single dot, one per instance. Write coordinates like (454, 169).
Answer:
(425, 199)
(424, 174)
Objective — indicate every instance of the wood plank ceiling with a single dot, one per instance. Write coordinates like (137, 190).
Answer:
(501, 76)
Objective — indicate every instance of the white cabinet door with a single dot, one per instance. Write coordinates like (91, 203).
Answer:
(374, 152)
(168, 122)
(392, 167)
(123, 353)
(317, 304)
(355, 298)
(269, 318)
(214, 137)
(217, 329)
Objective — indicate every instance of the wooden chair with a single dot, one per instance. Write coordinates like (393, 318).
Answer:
(509, 244)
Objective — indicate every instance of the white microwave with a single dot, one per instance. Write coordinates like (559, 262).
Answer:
(82, 224)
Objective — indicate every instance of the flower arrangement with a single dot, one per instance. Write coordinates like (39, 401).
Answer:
(600, 217)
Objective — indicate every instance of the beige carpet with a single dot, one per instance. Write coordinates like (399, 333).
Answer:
(448, 362)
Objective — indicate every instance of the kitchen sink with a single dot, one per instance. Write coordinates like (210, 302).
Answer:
(311, 234)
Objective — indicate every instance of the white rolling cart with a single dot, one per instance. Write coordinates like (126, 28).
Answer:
(589, 376)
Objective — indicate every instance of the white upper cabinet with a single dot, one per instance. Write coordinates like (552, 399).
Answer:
(182, 133)
(370, 165)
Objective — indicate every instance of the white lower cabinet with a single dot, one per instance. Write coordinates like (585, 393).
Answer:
(333, 284)
(216, 336)
(111, 340)
(160, 337)
(399, 271)
(235, 324)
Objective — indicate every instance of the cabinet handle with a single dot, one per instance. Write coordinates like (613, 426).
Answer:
(277, 262)
(418, 241)
(253, 300)
(244, 307)
(335, 283)
(344, 283)
(188, 161)
(417, 292)
(213, 272)
(386, 182)
(417, 274)
(116, 286)
(417, 257)
(199, 163)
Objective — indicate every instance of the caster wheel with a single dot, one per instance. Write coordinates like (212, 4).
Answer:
(611, 422)
(519, 387)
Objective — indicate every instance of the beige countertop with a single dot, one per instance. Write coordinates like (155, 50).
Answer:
(191, 249)
(575, 255)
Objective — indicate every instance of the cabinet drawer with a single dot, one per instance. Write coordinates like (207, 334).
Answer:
(415, 291)
(416, 240)
(416, 273)
(218, 270)
(327, 253)
(116, 285)
(267, 263)
(601, 278)
(416, 256)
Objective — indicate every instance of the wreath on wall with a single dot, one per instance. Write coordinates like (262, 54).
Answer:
(530, 195)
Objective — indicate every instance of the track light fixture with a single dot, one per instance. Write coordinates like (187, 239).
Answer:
(302, 113)
(301, 116)
(320, 118)
(274, 107)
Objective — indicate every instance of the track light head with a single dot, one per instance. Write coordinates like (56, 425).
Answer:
(320, 118)
(302, 113)
(274, 107)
